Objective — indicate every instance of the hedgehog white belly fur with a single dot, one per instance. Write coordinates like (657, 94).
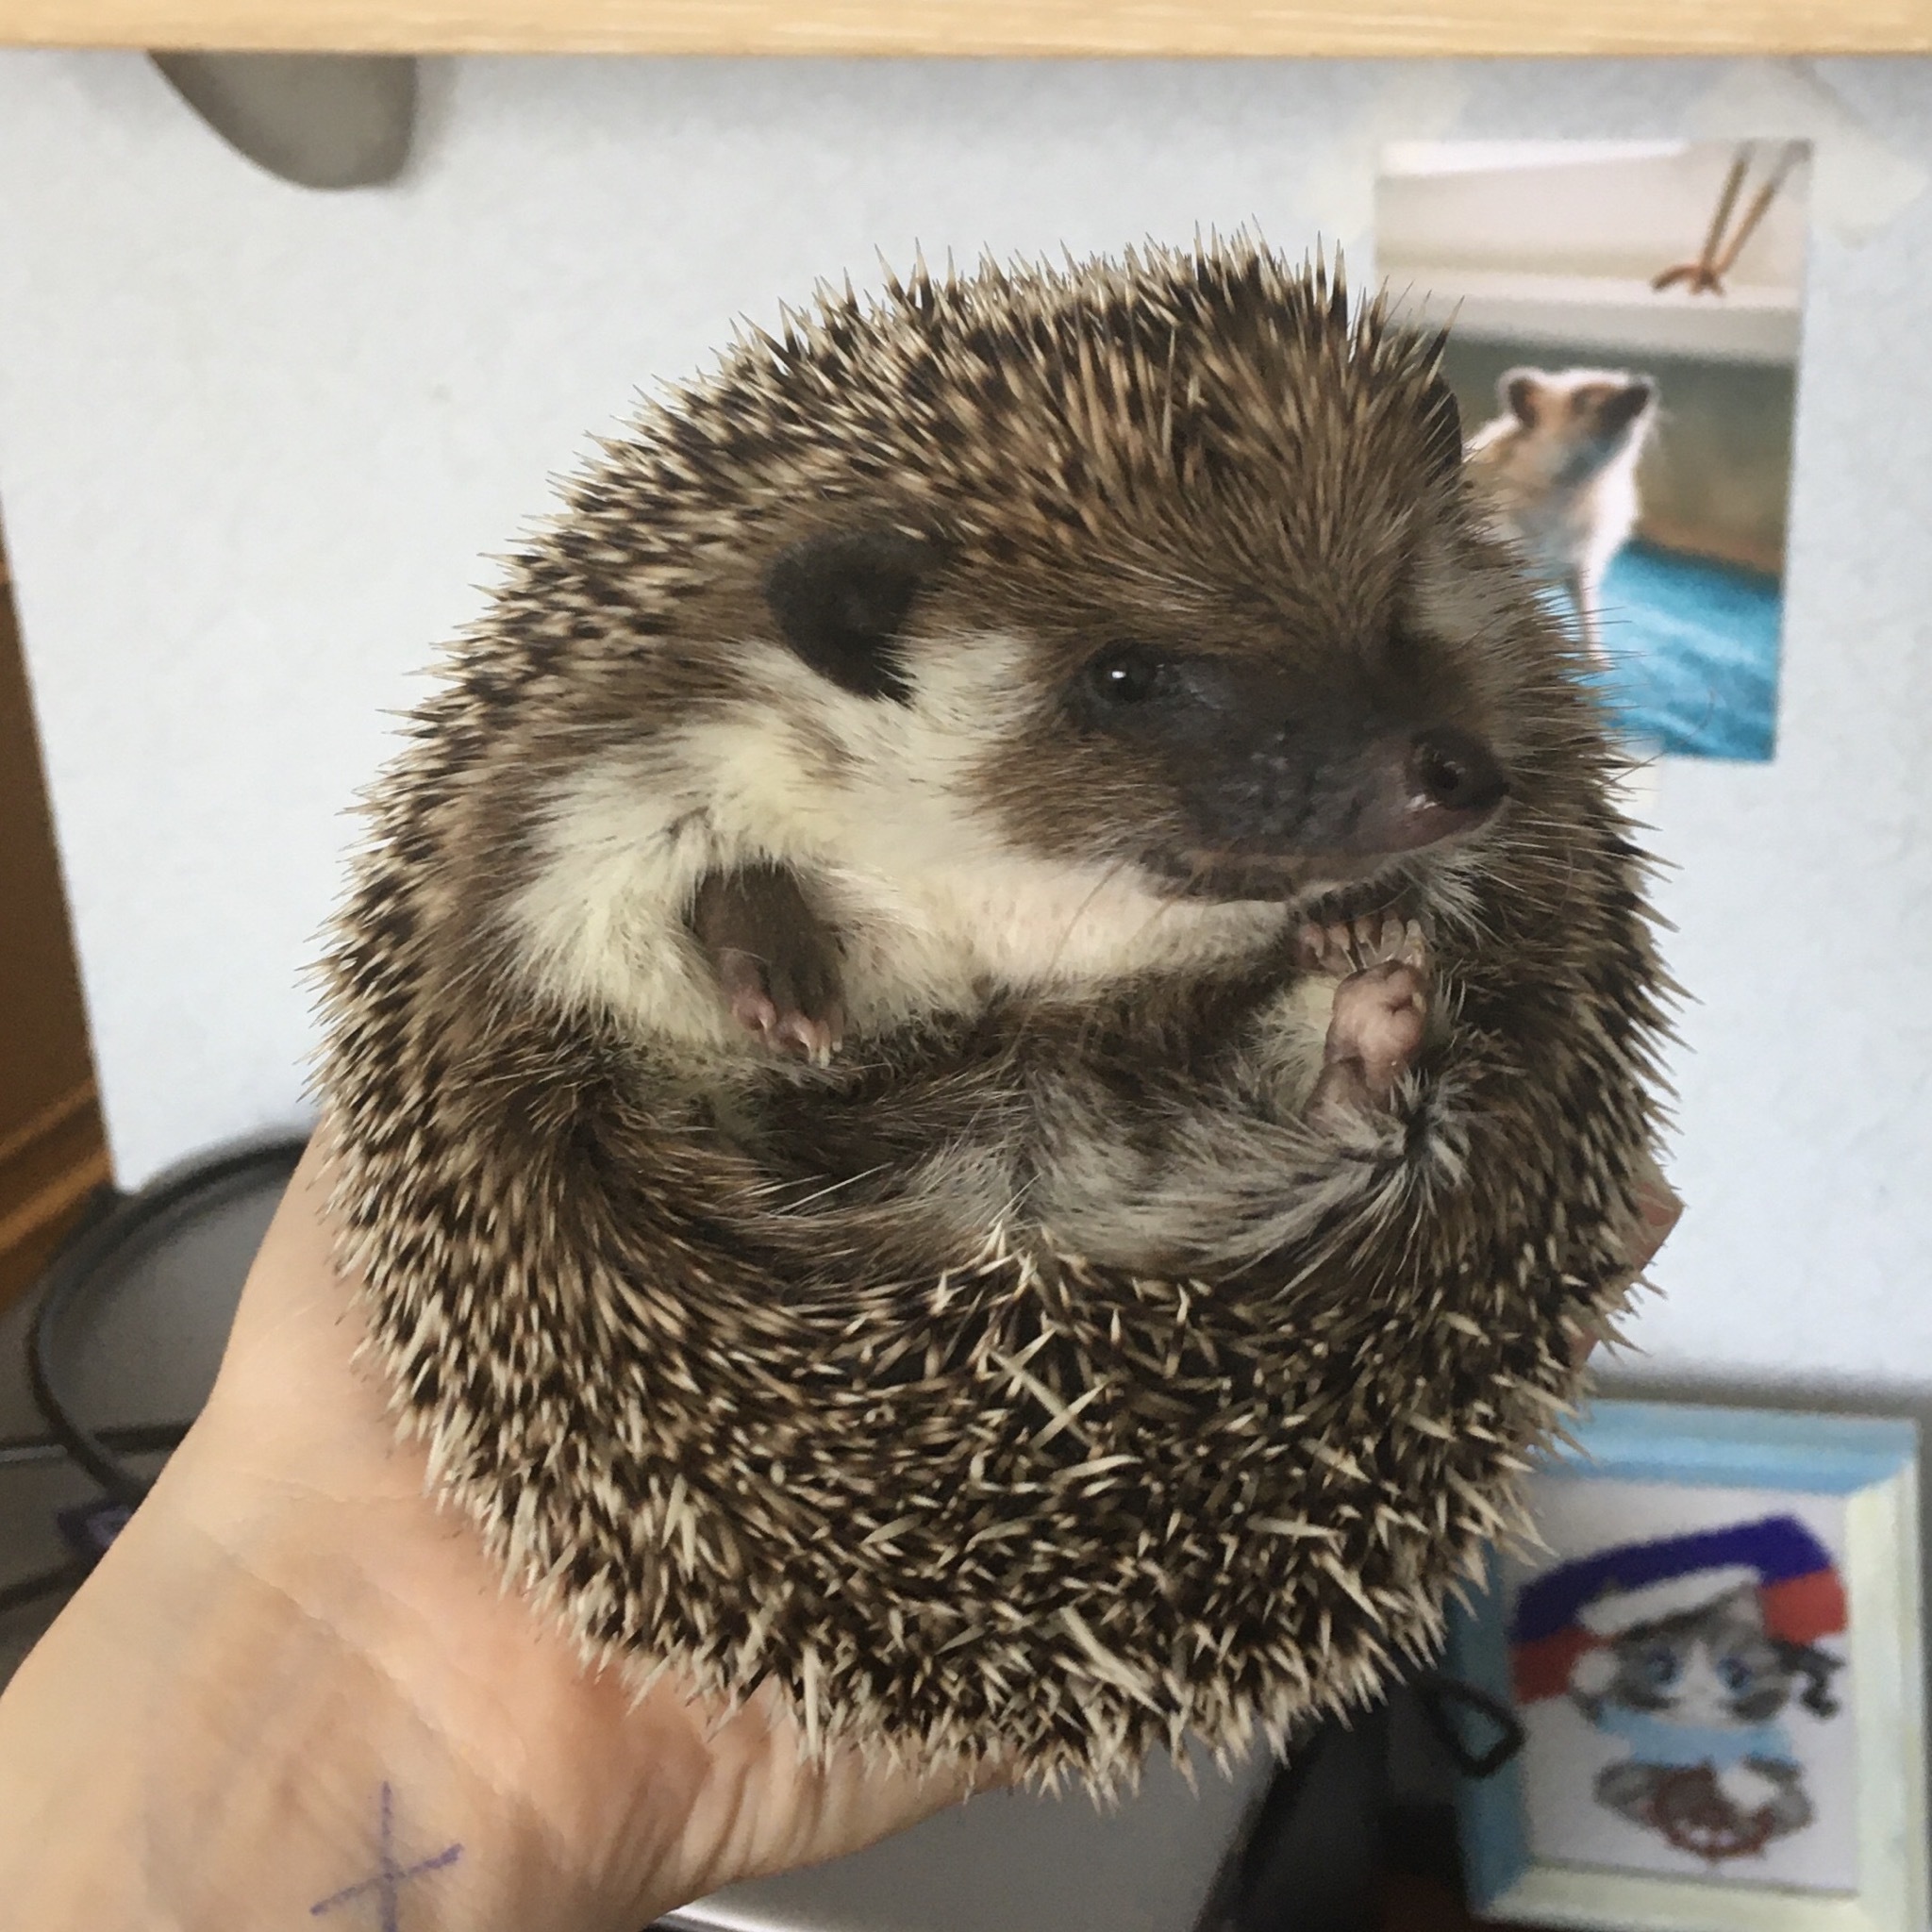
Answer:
(826, 1057)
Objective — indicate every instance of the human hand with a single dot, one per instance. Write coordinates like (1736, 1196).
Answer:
(295, 1691)
(293, 1678)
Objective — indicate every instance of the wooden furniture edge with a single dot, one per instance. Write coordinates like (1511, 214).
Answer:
(1212, 28)
(49, 1165)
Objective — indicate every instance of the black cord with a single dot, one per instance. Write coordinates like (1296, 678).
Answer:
(68, 1575)
(113, 1222)
(129, 1438)
(80, 1264)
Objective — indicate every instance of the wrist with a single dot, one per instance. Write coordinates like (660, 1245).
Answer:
(287, 1626)
(287, 1629)
(272, 1714)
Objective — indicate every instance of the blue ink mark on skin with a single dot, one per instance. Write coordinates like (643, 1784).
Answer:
(389, 1881)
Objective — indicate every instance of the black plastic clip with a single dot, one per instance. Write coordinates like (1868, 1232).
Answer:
(1439, 1697)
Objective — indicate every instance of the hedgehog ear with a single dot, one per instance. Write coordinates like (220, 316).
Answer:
(1517, 390)
(1628, 402)
(841, 599)
(1441, 429)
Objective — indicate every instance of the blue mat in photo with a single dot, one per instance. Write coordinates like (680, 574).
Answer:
(1695, 651)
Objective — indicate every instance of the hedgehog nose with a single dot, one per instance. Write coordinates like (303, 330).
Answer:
(1452, 784)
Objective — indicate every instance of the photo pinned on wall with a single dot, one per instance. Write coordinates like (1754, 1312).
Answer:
(1714, 1659)
(1625, 321)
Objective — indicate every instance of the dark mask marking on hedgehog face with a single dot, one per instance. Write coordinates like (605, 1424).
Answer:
(1245, 688)
(1248, 754)
(841, 598)
(1272, 764)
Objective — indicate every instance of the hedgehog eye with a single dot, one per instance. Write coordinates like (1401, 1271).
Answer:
(1129, 675)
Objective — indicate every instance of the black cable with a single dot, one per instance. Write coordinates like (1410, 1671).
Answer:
(113, 1222)
(68, 1575)
(130, 1439)
(82, 1262)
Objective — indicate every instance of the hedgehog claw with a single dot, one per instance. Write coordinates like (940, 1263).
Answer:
(787, 1028)
(776, 965)
(812, 1039)
(751, 1006)
(1354, 947)
(1381, 1010)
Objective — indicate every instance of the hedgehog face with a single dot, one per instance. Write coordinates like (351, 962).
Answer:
(1580, 421)
(1044, 649)
(1270, 764)
(1218, 747)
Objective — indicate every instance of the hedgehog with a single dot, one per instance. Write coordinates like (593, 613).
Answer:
(997, 1037)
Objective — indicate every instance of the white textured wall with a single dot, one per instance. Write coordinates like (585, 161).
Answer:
(253, 443)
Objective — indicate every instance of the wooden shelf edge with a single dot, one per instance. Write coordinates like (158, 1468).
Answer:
(55, 1201)
(982, 28)
(44, 1127)
(49, 1164)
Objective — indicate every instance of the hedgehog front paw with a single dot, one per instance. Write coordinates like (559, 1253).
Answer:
(765, 999)
(777, 964)
(1381, 1010)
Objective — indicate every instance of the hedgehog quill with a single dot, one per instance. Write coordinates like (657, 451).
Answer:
(997, 1033)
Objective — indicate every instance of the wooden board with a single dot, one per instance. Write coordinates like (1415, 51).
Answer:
(1039, 27)
(53, 1151)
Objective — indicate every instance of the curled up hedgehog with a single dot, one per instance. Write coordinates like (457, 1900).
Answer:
(998, 1034)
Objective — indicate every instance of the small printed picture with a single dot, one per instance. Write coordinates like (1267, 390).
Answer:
(1708, 1663)
(1625, 324)
(1680, 1669)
